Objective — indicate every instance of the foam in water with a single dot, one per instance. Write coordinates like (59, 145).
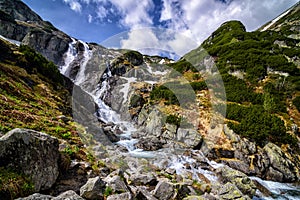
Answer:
(69, 57)
(86, 57)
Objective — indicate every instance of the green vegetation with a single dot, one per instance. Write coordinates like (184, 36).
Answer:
(182, 66)
(34, 62)
(173, 119)
(13, 185)
(296, 102)
(255, 123)
(135, 57)
(108, 191)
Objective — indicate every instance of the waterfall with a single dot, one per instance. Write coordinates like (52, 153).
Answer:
(176, 160)
(69, 57)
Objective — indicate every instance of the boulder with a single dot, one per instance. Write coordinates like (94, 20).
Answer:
(123, 196)
(116, 184)
(164, 191)
(230, 191)
(142, 179)
(239, 179)
(69, 195)
(32, 153)
(142, 193)
(93, 189)
(190, 138)
(37, 196)
(281, 169)
(149, 144)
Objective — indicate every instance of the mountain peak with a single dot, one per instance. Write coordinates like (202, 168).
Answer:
(18, 10)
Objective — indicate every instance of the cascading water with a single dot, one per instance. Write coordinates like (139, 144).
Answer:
(69, 57)
(175, 160)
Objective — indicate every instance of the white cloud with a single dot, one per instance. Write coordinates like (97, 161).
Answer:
(90, 18)
(102, 12)
(193, 19)
(202, 17)
(135, 13)
(74, 5)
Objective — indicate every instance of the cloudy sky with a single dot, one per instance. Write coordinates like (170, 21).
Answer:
(144, 24)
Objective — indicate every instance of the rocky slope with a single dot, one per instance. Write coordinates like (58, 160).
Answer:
(148, 125)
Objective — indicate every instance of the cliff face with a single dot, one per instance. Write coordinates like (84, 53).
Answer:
(20, 23)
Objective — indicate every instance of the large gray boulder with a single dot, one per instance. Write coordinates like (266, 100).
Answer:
(281, 168)
(239, 179)
(32, 153)
(93, 189)
(164, 191)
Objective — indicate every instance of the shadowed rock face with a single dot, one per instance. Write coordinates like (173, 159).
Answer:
(18, 10)
(32, 153)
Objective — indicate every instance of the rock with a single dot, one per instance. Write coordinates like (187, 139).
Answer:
(239, 179)
(142, 193)
(149, 144)
(164, 191)
(154, 123)
(25, 151)
(123, 196)
(18, 10)
(69, 195)
(93, 189)
(72, 179)
(51, 45)
(230, 191)
(281, 169)
(37, 196)
(116, 184)
(142, 179)
(194, 198)
(190, 138)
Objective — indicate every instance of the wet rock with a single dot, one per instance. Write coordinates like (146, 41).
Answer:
(123, 196)
(93, 189)
(25, 151)
(149, 144)
(164, 191)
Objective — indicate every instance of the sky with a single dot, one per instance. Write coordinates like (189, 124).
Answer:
(149, 25)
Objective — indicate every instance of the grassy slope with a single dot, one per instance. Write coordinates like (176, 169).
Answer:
(31, 100)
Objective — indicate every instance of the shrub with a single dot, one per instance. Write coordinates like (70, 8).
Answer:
(35, 62)
(296, 102)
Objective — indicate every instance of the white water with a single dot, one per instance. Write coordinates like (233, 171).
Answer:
(69, 57)
(279, 190)
(87, 55)
(177, 162)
